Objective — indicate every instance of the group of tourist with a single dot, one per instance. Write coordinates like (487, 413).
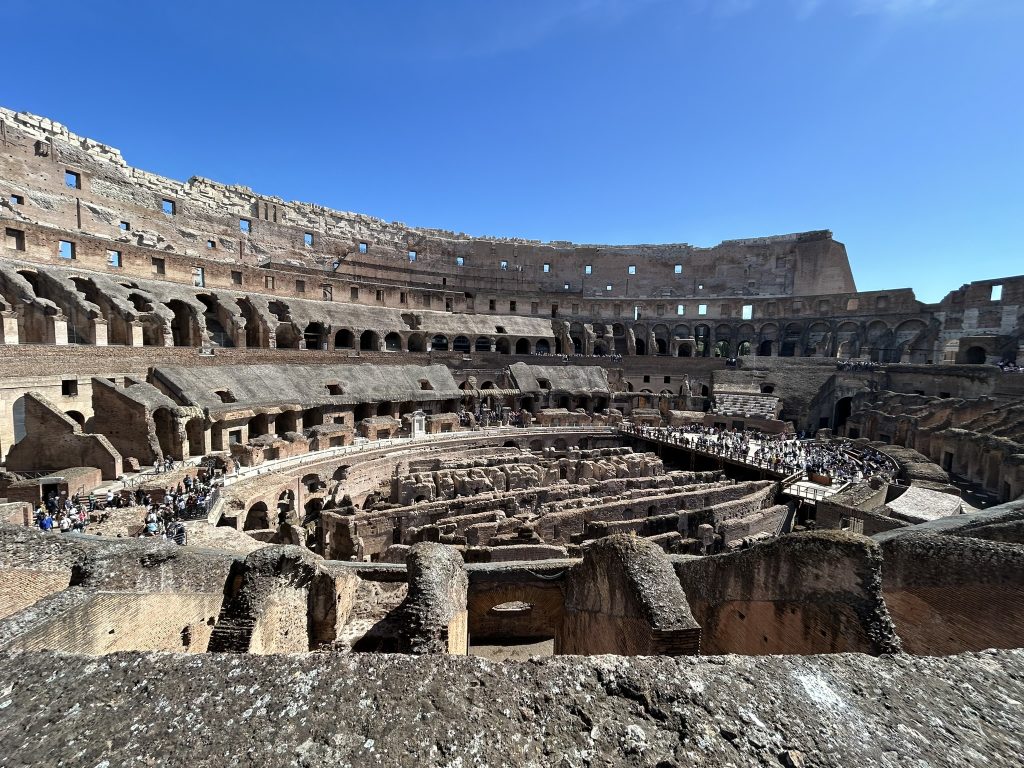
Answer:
(613, 356)
(188, 500)
(1008, 366)
(857, 365)
(60, 512)
(783, 453)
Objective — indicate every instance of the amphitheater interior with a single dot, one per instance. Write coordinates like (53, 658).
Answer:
(345, 491)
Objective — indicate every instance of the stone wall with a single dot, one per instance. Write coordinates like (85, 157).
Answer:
(804, 593)
(624, 598)
(949, 591)
(54, 441)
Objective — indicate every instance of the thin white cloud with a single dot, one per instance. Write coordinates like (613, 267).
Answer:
(886, 8)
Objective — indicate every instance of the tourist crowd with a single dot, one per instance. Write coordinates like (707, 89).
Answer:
(857, 365)
(786, 454)
(1008, 366)
(187, 500)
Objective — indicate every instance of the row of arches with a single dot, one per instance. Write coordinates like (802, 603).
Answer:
(101, 311)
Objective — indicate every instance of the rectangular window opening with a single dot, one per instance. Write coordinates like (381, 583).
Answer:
(997, 293)
(307, 238)
(168, 207)
(680, 309)
(236, 277)
(73, 179)
(198, 277)
(546, 268)
(14, 238)
(511, 306)
(114, 259)
(69, 387)
(300, 286)
(460, 261)
(66, 249)
(159, 267)
(588, 269)
(412, 255)
(363, 247)
(124, 226)
(353, 293)
(748, 311)
(504, 265)
(632, 269)
(245, 225)
(17, 200)
(678, 269)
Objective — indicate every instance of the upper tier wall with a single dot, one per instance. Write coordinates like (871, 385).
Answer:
(204, 222)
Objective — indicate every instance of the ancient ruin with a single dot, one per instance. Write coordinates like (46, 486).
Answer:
(276, 467)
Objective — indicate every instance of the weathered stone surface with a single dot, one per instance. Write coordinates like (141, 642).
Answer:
(366, 710)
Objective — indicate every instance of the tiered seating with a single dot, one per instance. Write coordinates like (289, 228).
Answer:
(748, 405)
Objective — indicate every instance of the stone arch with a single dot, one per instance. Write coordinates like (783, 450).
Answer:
(523, 347)
(702, 334)
(878, 337)
(184, 325)
(483, 344)
(217, 320)
(255, 328)
(847, 340)
(503, 346)
(393, 342)
(369, 341)
(909, 341)
(257, 517)
(417, 343)
(166, 427)
(974, 355)
(315, 336)
(460, 344)
(439, 343)
(344, 339)
(662, 338)
(542, 347)
(791, 340)
(819, 340)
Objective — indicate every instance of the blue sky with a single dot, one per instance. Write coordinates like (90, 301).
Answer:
(898, 124)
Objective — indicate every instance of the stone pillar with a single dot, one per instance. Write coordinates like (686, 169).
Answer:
(136, 336)
(102, 331)
(215, 438)
(60, 331)
(10, 328)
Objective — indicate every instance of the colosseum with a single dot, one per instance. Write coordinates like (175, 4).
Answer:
(284, 485)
